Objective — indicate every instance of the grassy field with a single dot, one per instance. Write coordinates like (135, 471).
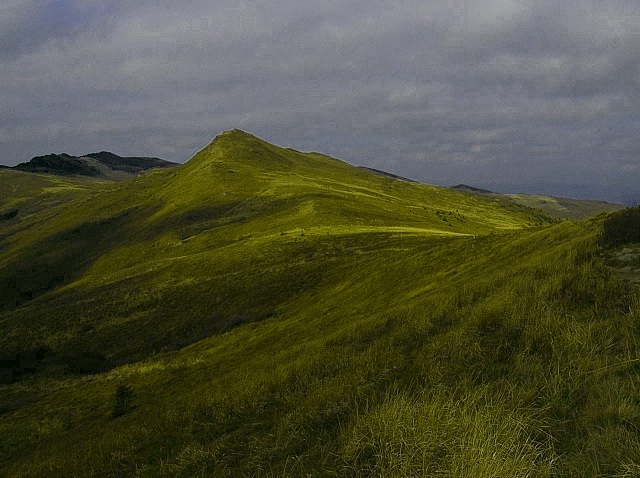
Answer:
(264, 312)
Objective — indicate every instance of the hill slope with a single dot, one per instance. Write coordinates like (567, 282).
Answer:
(237, 199)
(264, 312)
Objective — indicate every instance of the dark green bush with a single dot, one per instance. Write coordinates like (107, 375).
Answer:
(122, 400)
(622, 227)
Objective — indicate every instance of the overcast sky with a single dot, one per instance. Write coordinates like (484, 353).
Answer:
(505, 94)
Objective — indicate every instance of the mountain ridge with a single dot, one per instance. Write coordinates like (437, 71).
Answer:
(236, 188)
(103, 164)
(108, 165)
(555, 206)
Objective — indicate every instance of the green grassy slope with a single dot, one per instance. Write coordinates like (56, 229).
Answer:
(283, 314)
(28, 193)
(221, 229)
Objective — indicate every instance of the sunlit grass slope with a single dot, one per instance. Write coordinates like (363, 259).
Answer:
(22, 195)
(273, 313)
(179, 254)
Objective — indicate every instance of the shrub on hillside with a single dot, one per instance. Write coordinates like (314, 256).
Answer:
(122, 401)
(622, 227)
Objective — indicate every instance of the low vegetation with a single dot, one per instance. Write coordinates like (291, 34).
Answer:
(263, 312)
(622, 227)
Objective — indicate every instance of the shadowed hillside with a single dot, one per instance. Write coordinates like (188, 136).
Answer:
(260, 311)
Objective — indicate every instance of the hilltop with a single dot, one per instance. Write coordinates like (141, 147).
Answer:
(260, 311)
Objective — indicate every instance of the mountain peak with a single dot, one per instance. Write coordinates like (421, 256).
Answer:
(235, 133)
(236, 147)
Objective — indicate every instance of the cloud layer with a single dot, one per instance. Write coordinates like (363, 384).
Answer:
(501, 93)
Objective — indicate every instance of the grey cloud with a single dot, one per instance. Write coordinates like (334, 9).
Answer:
(492, 91)
(26, 25)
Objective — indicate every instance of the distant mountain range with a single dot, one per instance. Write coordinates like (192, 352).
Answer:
(385, 173)
(102, 164)
(107, 165)
(472, 189)
(564, 208)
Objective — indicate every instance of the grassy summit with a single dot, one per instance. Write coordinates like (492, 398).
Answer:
(260, 311)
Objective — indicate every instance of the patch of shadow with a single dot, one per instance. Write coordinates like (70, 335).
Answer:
(216, 325)
(184, 314)
(8, 215)
(196, 221)
(59, 259)
(17, 364)
(86, 362)
(621, 241)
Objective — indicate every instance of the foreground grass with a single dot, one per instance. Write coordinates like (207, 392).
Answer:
(510, 355)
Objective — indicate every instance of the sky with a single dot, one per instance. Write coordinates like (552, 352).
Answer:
(509, 95)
